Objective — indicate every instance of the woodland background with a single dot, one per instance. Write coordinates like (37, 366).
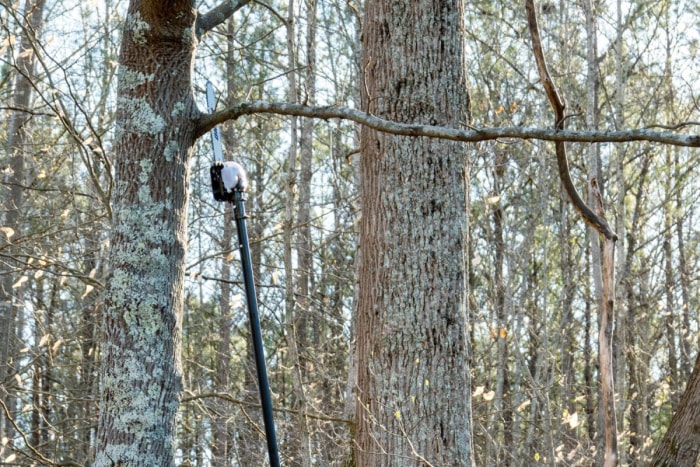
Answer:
(533, 315)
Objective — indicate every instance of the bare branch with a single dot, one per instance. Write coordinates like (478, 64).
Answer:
(471, 134)
(218, 15)
(591, 218)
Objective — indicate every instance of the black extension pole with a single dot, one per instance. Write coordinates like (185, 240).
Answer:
(239, 197)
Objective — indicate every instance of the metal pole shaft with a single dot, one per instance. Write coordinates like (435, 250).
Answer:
(265, 398)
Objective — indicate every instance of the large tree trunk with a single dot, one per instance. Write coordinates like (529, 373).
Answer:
(412, 323)
(680, 445)
(156, 113)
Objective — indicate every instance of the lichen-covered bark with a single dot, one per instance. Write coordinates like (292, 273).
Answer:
(413, 372)
(156, 113)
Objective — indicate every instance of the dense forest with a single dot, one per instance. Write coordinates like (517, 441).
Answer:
(429, 293)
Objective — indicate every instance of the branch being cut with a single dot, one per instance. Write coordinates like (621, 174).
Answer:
(473, 134)
(558, 105)
(218, 15)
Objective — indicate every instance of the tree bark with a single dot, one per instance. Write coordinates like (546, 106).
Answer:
(156, 118)
(412, 322)
(680, 446)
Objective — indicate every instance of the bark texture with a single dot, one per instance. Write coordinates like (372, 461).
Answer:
(413, 374)
(680, 446)
(156, 113)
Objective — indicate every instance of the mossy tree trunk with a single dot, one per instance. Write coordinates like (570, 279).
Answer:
(156, 116)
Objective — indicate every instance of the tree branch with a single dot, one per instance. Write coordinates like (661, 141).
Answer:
(218, 15)
(591, 218)
(472, 134)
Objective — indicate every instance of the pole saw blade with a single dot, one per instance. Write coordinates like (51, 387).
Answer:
(215, 133)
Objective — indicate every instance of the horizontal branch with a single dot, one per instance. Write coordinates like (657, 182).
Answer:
(472, 134)
(208, 21)
(228, 398)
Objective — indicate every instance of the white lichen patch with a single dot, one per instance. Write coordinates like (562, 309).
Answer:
(138, 27)
(187, 36)
(131, 79)
(178, 109)
(171, 150)
(140, 118)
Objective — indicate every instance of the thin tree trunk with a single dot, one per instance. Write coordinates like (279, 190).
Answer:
(13, 198)
(299, 437)
(607, 237)
(502, 406)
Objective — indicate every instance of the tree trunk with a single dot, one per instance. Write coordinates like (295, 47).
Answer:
(680, 446)
(13, 198)
(412, 323)
(156, 116)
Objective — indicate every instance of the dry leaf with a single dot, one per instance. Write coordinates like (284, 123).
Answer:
(20, 281)
(8, 231)
(522, 406)
(88, 289)
(44, 340)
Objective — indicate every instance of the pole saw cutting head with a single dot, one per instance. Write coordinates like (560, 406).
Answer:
(226, 179)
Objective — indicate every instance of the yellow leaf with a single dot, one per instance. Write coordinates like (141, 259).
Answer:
(20, 281)
(489, 396)
(88, 289)
(537, 456)
(503, 333)
(397, 414)
(499, 110)
(478, 391)
(56, 346)
(573, 420)
(8, 231)
(493, 199)
(38, 274)
(522, 406)
(44, 340)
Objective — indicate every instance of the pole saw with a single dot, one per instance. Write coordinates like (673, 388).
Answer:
(229, 182)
